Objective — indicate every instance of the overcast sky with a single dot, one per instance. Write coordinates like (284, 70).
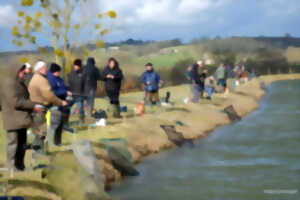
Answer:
(184, 19)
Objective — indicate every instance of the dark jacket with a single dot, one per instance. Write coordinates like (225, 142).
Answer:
(76, 82)
(57, 85)
(152, 77)
(16, 105)
(195, 74)
(92, 75)
(113, 85)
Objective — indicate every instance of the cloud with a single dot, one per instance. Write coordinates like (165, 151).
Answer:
(7, 15)
(186, 19)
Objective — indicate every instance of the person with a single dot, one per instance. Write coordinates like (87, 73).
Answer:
(209, 87)
(221, 75)
(196, 82)
(16, 112)
(76, 84)
(203, 75)
(92, 76)
(40, 91)
(57, 113)
(151, 81)
(113, 76)
(27, 74)
(238, 73)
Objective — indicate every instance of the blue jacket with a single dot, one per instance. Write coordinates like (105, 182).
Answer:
(57, 86)
(153, 78)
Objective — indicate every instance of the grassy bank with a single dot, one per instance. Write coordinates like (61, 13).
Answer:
(143, 134)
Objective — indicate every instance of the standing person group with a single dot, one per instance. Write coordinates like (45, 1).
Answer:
(26, 97)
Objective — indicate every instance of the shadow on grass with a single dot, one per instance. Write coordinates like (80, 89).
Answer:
(15, 183)
(27, 197)
(178, 109)
(241, 93)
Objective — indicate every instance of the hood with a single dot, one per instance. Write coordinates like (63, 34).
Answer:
(14, 70)
(90, 61)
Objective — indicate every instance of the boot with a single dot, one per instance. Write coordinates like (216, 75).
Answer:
(110, 111)
(116, 111)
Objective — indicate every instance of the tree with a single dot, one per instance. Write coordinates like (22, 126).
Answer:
(62, 24)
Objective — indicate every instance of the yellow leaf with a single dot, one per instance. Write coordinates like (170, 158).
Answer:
(112, 14)
(76, 26)
(37, 24)
(59, 52)
(24, 60)
(99, 44)
(28, 19)
(38, 15)
(15, 31)
(33, 39)
(19, 43)
(97, 26)
(20, 13)
(27, 27)
(26, 35)
(103, 32)
(14, 41)
(100, 15)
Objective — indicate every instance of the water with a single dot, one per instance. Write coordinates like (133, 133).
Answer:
(257, 158)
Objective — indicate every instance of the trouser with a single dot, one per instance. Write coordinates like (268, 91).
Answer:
(79, 101)
(210, 91)
(40, 130)
(16, 141)
(114, 102)
(152, 96)
(113, 97)
(91, 99)
(222, 82)
(195, 91)
(201, 88)
(56, 126)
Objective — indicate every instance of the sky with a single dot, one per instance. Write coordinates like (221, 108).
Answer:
(184, 19)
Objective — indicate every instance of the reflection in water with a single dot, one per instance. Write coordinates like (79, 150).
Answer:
(240, 161)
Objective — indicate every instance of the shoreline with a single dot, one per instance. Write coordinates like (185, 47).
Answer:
(144, 136)
(251, 90)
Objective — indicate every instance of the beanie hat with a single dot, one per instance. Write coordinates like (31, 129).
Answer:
(200, 62)
(39, 65)
(149, 64)
(78, 62)
(27, 65)
(55, 68)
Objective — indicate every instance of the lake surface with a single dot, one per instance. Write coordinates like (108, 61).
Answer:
(256, 158)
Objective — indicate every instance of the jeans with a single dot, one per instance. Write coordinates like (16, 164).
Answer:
(195, 90)
(210, 91)
(40, 131)
(56, 126)
(222, 82)
(91, 99)
(79, 101)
